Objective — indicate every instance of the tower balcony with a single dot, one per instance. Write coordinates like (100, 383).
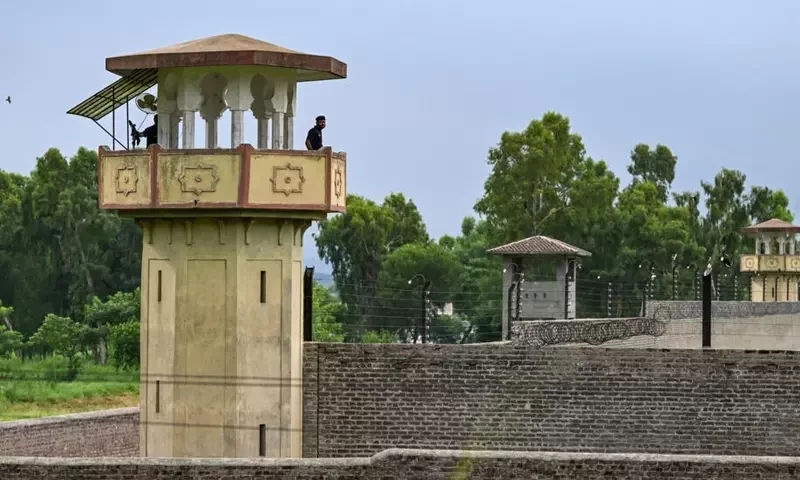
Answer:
(770, 263)
(186, 182)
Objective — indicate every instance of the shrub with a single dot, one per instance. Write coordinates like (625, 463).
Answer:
(123, 342)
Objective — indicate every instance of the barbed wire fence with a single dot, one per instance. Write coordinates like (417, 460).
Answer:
(423, 313)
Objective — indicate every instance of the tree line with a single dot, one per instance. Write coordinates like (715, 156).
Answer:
(67, 266)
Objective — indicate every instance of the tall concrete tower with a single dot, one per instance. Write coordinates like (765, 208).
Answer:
(222, 257)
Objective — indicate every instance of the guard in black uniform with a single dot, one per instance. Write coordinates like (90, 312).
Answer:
(314, 137)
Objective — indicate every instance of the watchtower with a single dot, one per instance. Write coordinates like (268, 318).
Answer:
(526, 296)
(222, 257)
(775, 267)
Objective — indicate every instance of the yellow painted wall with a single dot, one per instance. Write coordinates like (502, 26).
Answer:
(296, 180)
(184, 178)
(225, 361)
(125, 179)
(774, 288)
(338, 182)
(287, 179)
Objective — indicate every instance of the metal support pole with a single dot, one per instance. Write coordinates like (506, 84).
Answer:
(570, 275)
(697, 284)
(308, 304)
(707, 310)
(127, 122)
(517, 301)
(608, 302)
(735, 287)
(674, 282)
(425, 288)
(510, 309)
(644, 299)
(113, 118)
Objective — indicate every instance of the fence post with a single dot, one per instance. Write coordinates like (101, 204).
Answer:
(511, 294)
(697, 284)
(644, 299)
(674, 281)
(424, 297)
(308, 304)
(707, 309)
(608, 303)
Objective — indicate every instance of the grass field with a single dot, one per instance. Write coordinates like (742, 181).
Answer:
(36, 389)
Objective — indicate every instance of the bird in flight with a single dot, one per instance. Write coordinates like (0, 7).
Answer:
(8, 99)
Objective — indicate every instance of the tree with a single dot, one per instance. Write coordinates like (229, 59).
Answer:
(357, 242)
(65, 337)
(10, 341)
(412, 265)
(119, 308)
(327, 316)
(764, 204)
(532, 172)
(727, 214)
(57, 248)
(479, 294)
(654, 234)
(5, 315)
(653, 166)
(123, 340)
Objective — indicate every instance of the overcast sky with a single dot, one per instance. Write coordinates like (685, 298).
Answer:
(432, 85)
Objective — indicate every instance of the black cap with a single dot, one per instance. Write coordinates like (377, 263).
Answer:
(320, 117)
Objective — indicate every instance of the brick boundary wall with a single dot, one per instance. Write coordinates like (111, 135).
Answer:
(416, 464)
(680, 309)
(368, 398)
(106, 433)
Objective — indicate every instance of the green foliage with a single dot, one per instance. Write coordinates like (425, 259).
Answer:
(57, 248)
(356, 244)
(404, 273)
(38, 388)
(123, 342)
(653, 166)
(378, 336)
(327, 316)
(121, 307)
(66, 338)
(10, 342)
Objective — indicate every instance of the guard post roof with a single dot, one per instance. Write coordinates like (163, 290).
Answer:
(230, 50)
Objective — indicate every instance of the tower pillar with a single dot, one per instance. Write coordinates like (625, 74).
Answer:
(222, 337)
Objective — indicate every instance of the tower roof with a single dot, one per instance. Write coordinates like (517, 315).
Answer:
(539, 245)
(230, 50)
(772, 225)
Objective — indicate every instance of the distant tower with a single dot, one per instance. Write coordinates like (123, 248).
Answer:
(222, 263)
(775, 267)
(526, 296)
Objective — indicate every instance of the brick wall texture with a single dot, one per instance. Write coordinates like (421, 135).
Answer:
(414, 464)
(362, 399)
(109, 433)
